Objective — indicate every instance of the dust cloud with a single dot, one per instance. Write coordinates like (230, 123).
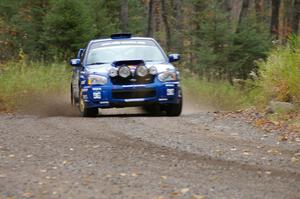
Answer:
(193, 103)
(47, 105)
(58, 104)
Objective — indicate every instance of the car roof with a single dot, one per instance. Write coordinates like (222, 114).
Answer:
(122, 39)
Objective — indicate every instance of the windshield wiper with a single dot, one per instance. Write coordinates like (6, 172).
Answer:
(97, 63)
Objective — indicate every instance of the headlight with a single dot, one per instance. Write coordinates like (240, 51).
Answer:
(113, 72)
(168, 76)
(142, 71)
(153, 70)
(97, 80)
(124, 71)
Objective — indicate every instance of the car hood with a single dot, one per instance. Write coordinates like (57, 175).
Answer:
(103, 69)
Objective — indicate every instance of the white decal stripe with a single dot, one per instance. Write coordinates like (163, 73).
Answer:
(135, 100)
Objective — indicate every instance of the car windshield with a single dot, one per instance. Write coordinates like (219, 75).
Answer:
(109, 54)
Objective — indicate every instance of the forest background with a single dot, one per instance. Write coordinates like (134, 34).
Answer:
(235, 53)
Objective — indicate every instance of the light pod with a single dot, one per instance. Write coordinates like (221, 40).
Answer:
(142, 71)
(124, 71)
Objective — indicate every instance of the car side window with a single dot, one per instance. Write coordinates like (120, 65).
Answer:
(82, 55)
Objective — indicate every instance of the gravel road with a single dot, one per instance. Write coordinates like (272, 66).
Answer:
(197, 155)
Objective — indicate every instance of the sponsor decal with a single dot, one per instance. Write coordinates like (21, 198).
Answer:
(135, 100)
(96, 89)
(170, 85)
(134, 86)
(97, 95)
(162, 99)
(170, 91)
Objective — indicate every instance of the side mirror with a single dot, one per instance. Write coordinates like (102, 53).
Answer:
(174, 57)
(75, 62)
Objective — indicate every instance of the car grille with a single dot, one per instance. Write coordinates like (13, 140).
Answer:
(148, 79)
(132, 94)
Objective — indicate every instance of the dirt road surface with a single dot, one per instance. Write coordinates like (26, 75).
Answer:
(116, 155)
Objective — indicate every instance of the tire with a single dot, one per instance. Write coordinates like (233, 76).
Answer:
(72, 97)
(174, 110)
(84, 111)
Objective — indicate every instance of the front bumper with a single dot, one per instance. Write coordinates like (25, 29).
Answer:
(109, 96)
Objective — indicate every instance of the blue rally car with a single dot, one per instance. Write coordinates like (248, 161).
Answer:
(125, 71)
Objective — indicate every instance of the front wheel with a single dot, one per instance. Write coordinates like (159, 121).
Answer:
(174, 110)
(84, 111)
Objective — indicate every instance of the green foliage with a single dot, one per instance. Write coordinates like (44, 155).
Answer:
(20, 80)
(279, 74)
(223, 53)
(102, 20)
(212, 37)
(68, 26)
(137, 20)
(250, 43)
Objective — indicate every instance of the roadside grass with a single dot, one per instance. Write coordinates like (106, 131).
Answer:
(20, 81)
(218, 94)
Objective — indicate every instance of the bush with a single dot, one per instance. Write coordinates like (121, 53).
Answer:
(280, 73)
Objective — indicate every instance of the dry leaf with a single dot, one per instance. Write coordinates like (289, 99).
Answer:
(233, 149)
(293, 159)
(2, 175)
(27, 195)
(184, 190)
(159, 197)
(198, 197)
(175, 193)
(268, 172)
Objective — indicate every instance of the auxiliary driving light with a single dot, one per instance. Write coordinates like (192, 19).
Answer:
(113, 72)
(142, 71)
(124, 71)
(153, 70)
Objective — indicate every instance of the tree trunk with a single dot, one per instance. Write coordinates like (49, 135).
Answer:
(164, 13)
(124, 16)
(259, 7)
(178, 25)
(234, 7)
(296, 17)
(275, 18)
(150, 25)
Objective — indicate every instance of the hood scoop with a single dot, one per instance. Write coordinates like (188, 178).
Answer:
(129, 63)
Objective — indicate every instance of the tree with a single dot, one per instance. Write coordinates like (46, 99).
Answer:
(68, 26)
(124, 16)
(150, 26)
(104, 22)
(275, 17)
(296, 17)
(164, 12)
